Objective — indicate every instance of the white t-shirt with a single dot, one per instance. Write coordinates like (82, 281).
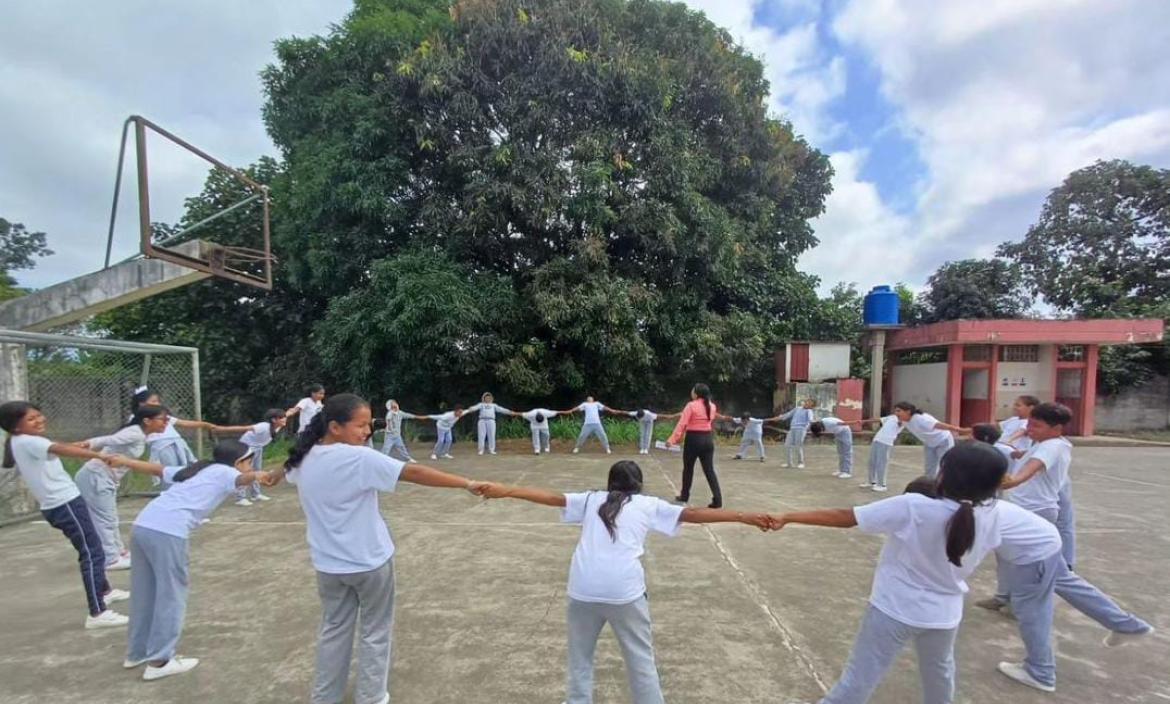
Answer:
(1042, 491)
(181, 508)
(922, 425)
(488, 411)
(592, 412)
(1013, 425)
(530, 416)
(609, 571)
(259, 436)
(888, 432)
(914, 583)
(170, 433)
(129, 441)
(309, 410)
(753, 428)
(1006, 450)
(1025, 537)
(338, 486)
(647, 416)
(836, 426)
(444, 421)
(42, 471)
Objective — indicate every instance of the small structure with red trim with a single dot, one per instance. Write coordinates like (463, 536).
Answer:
(970, 371)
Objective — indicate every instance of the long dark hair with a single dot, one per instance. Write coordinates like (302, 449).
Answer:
(970, 473)
(140, 396)
(225, 452)
(986, 432)
(313, 388)
(704, 392)
(11, 413)
(625, 480)
(908, 407)
(144, 412)
(337, 409)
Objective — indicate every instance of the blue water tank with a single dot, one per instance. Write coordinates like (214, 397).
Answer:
(882, 307)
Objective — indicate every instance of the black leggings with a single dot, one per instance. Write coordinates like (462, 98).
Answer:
(700, 446)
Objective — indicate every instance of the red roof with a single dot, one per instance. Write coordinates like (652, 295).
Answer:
(1029, 332)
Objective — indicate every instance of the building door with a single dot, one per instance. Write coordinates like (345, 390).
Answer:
(975, 404)
(798, 365)
(1070, 384)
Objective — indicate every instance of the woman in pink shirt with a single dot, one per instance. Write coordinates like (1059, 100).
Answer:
(699, 444)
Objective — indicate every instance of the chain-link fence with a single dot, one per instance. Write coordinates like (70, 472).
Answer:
(84, 386)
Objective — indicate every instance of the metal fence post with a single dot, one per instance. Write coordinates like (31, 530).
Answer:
(198, 399)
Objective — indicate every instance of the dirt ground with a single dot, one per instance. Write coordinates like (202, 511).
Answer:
(739, 616)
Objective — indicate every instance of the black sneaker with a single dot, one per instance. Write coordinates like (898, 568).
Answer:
(715, 504)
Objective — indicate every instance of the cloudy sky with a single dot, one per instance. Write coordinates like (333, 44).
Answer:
(947, 122)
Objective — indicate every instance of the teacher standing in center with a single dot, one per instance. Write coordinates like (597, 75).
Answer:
(699, 443)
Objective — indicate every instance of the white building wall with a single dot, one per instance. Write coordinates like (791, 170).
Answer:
(924, 385)
(827, 361)
(1019, 378)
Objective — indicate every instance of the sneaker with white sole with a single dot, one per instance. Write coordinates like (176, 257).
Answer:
(880, 488)
(842, 475)
(494, 452)
(106, 619)
(785, 466)
(122, 563)
(536, 452)
(448, 457)
(1115, 638)
(865, 485)
(548, 449)
(174, 666)
(115, 595)
(434, 457)
(243, 502)
(608, 451)
(480, 453)
(800, 466)
(1017, 672)
(131, 664)
(261, 497)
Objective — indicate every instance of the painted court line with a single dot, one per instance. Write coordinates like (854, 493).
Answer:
(1127, 481)
(757, 596)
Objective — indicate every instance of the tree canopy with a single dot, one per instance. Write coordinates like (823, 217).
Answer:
(973, 289)
(19, 249)
(545, 199)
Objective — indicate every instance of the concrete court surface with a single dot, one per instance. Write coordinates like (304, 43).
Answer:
(739, 615)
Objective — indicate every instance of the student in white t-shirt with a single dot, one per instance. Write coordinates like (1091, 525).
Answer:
(168, 447)
(486, 427)
(645, 419)
(753, 434)
(38, 460)
(842, 432)
(444, 432)
(538, 423)
(257, 437)
(932, 546)
(159, 546)
(1015, 429)
(338, 480)
(592, 424)
(98, 482)
(607, 583)
(990, 434)
(881, 450)
(935, 436)
(308, 407)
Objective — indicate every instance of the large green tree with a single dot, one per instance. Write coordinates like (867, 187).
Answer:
(602, 175)
(19, 249)
(973, 289)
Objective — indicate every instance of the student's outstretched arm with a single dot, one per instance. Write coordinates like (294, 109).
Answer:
(200, 425)
(225, 429)
(828, 518)
(429, 476)
(138, 466)
(1029, 470)
(719, 515)
(1022, 432)
(246, 478)
(536, 496)
(786, 415)
(953, 428)
(62, 449)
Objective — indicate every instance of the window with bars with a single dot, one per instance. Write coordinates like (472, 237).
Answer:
(1071, 353)
(977, 353)
(1019, 353)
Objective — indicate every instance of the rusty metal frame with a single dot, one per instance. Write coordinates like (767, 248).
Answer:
(218, 260)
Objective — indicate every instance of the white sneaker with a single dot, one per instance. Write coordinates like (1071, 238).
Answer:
(494, 452)
(880, 488)
(576, 450)
(448, 457)
(865, 485)
(480, 453)
(262, 497)
(1019, 674)
(842, 475)
(608, 451)
(174, 666)
(243, 502)
(122, 563)
(800, 466)
(548, 449)
(785, 466)
(385, 699)
(536, 452)
(131, 664)
(1115, 639)
(115, 595)
(205, 521)
(434, 457)
(106, 619)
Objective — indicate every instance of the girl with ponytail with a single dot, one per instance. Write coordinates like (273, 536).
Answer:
(159, 549)
(257, 437)
(338, 479)
(98, 483)
(695, 430)
(168, 447)
(606, 581)
(932, 545)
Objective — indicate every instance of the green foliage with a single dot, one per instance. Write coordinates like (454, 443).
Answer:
(973, 289)
(18, 250)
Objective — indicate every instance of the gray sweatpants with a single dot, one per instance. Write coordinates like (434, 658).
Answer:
(844, 443)
(794, 442)
(1031, 589)
(645, 434)
(391, 443)
(590, 429)
(748, 442)
(486, 434)
(878, 643)
(158, 594)
(932, 455)
(253, 490)
(345, 597)
(540, 440)
(631, 624)
(879, 462)
(1066, 520)
(100, 492)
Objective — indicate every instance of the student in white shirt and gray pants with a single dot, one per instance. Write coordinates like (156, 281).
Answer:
(338, 480)
(607, 583)
(592, 425)
(487, 422)
(538, 423)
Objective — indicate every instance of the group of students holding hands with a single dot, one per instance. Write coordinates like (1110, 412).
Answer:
(936, 535)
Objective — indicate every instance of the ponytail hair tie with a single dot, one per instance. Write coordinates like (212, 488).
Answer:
(967, 501)
(140, 389)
